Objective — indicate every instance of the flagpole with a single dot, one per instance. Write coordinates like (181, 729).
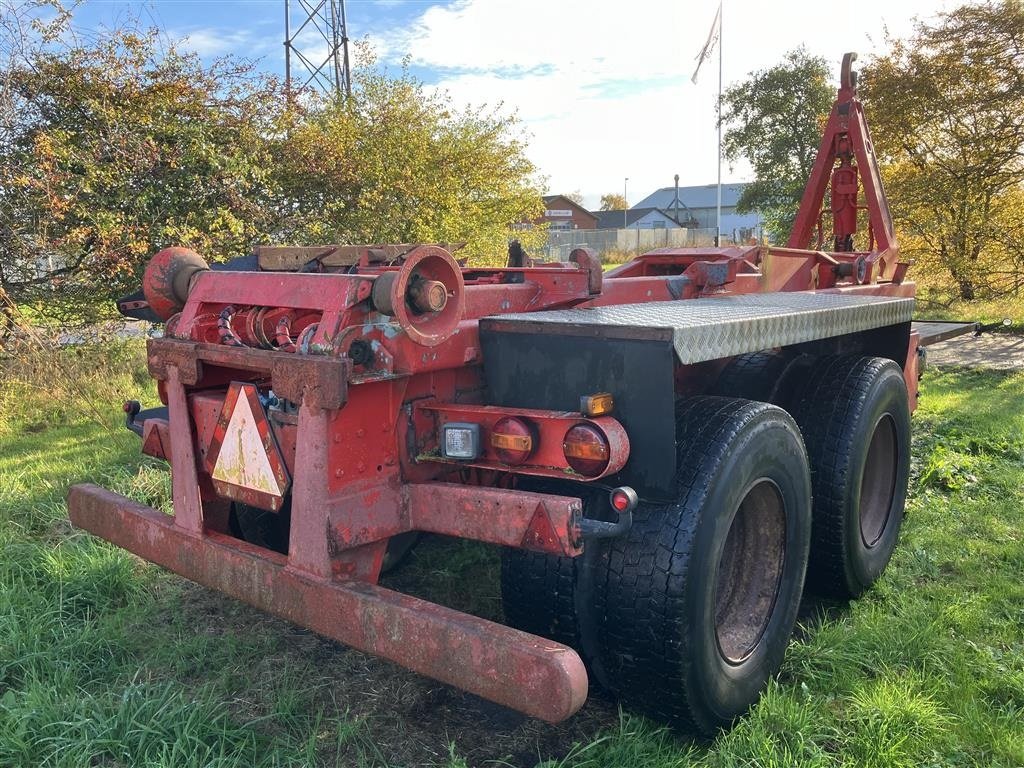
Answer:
(701, 58)
(718, 229)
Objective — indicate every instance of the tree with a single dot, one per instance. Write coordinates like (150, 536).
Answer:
(945, 111)
(613, 202)
(116, 149)
(774, 119)
(576, 197)
(399, 164)
(112, 150)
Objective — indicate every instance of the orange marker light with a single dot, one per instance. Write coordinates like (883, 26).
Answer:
(600, 404)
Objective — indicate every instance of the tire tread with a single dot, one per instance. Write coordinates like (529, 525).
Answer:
(829, 406)
(646, 656)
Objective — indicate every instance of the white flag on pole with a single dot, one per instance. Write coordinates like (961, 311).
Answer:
(709, 46)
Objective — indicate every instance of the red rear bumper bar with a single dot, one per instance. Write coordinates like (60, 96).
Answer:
(524, 672)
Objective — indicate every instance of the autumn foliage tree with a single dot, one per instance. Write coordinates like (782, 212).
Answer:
(114, 149)
(774, 119)
(399, 164)
(119, 150)
(613, 202)
(945, 108)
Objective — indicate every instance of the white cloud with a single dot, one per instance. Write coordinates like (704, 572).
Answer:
(212, 42)
(604, 88)
(311, 44)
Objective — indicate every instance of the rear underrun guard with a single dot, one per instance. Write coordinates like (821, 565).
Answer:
(538, 677)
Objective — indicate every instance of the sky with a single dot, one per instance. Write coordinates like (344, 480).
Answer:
(602, 88)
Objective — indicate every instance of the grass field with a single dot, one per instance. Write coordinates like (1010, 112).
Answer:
(940, 305)
(108, 661)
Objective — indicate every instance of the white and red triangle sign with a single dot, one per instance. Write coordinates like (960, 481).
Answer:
(244, 461)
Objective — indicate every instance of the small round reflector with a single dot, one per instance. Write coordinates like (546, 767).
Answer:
(623, 499)
(586, 449)
(512, 440)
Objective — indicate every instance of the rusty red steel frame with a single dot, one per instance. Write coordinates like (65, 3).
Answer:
(332, 388)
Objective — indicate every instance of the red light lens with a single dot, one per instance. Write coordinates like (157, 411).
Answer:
(586, 449)
(620, 501)
(512, 440)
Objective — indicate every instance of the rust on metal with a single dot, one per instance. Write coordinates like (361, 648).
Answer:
(538, 677)
(168, 279)
(277, 258)
(322, 382)
(162, 354)
(156, 438)
(537, 521)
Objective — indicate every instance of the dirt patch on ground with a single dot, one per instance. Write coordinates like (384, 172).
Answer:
(997, 351)
(396, 716)
(399, 717)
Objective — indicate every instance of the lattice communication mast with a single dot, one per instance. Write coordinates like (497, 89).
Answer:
(308, 25)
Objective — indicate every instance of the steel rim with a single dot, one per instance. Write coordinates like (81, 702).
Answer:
(750, 571)
(878, 484)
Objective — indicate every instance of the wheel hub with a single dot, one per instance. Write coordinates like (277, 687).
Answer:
(878, 484)
(750, 571)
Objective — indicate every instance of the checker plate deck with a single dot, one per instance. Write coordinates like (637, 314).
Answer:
(721, 326)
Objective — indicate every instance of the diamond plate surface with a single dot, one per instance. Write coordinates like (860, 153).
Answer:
(711, 328)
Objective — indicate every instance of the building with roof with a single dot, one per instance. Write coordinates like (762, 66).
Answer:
(698, 205)
(636, 218)
(561, 213)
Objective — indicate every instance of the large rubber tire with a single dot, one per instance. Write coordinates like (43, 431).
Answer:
(855, 419)
(767, 377)
(538, 594)
(553, 596)
(702, 594)
(270, 530)
(260, 527)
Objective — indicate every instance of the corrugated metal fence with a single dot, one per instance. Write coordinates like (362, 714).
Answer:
(618, 244)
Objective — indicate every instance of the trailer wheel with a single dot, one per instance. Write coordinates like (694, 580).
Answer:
(855, 418)
(270, 530)
(767, 377)
(261, 527)
(552, 596)
(538, 594)
(702, 593)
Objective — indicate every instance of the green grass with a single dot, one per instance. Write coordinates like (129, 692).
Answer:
(106, 660)
(933, 304)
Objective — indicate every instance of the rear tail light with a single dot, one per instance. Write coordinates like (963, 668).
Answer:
(586, 449)
(512, 440)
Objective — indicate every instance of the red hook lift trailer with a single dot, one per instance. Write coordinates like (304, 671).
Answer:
(663, 450)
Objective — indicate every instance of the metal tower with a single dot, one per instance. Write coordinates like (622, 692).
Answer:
(308, 24)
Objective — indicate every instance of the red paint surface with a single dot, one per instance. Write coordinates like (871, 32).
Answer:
(538, 677)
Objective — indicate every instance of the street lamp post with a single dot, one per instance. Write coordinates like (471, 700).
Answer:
(625, 202)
